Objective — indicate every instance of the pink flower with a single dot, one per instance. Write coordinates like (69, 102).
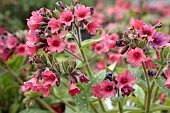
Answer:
(125, 79)
(54, 25)
(74, 89)
(29, 84)
(43, 88)
(92, 27)
(100, 65)
(11, 42)
(20, 50)
(150, 64)
(137, 24)
(83, 78)
(31, 50)
(55, 44)
(32, 38)
(126, 90)
(49, 78)
(82, 12)
(99, 18)
(115, 58)
(33, 22)
(167, 74)
(162, 98)
(107, 89)
(72, 47)
(66, 17)
(109, 42)
(98, 48)
(148, 30)
(97, 91)
(135, 57)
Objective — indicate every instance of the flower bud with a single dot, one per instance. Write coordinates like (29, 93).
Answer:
(43, 58)
(73, 63)
(83, 78)
(42, 11)
(92, 10)
(151, 73)
(50, 57)
(65, 65)
(132, 45)
(109, 76)
(57, 66)
(119, 43)
(71, 69)
(124, 49)
(60, 4)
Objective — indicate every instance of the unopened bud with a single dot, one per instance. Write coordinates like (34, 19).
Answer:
(83, 78)
(43, 58)
(92, 10)
(57, 66)
(124, 49)
(60, 4)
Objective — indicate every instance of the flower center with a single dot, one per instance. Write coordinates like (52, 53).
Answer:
(124, 80)
(109, 88)
(56, 43)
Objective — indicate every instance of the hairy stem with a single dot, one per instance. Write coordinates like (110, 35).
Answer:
(102, 106)
(120, 103)
(82, 52)
(94, 109)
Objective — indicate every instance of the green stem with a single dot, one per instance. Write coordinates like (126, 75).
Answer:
(20, 81)
(146, 75)
(101, 105)
(82, 52)
(45, 105)
(155, 94)
(147, 110)
(119, 103)
(73, 55)
(94, 109)
(65, 102)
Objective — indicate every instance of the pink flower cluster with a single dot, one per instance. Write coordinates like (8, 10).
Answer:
(48, 79)
(107, 89)
(9, 45)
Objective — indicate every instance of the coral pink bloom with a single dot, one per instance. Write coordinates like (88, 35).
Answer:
(82, 12)
(135, 57)
(99, 18)
(29, 84)
(148, 30)
(98, 48)
(31, 50)
(125, 79)
(44, 89)
(55, 44)
(66, 17)
(162, 98)
(150, 64)
(115, 58)
(109, 42)
(92, 27)
(74, 90)
(137, 24)
(49, 78)
(54, 25)
(97, 91)
(11, 42)
(33, 22)
(72, 47)
(107, 89)
(167, 74)
(32, 38)
(20, 50)
(100, 65)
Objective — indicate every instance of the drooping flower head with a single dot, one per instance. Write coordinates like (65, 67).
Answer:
(149, 63)
(125, 79)
(66, 17)
(92, 27)
(159, 40)
(74, 90)
(54, 25)
(126, 90)
(82, 12)
(49, 77)
(135, 57)
(55, 44)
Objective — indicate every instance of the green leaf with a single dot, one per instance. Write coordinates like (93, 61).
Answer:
(33, 94)
(14, 108)
(140, 77)
(165, 52)
(116, 99)
(111, 67)
(160, 62)
(33, 110)
(82, 99)
(160, 82)
(139, 93)
(88, 42)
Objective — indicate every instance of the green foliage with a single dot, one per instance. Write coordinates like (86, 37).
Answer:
(33, 110)
(89, 42)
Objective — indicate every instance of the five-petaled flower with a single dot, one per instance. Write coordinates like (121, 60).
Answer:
(66, 17)
(54, 25)
(74, 89)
